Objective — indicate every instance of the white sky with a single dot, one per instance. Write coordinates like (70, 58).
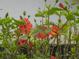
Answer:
(16, 7)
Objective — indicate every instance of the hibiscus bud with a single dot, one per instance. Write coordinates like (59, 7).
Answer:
(6, 15)
(45, 0)
(28, 16)
(35, 20)
(39, 8)
(61, 5)
(22, 42)
(21, 17)
(57, 1)
(24, 13)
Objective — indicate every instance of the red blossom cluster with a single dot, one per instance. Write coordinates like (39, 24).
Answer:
(23, 42)
(61, 5)
(25, 29)
(41, 35)
(54, 30)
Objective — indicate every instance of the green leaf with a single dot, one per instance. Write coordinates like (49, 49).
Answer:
(19, 22)
(40, 14)
(49, 12)
(48, 6)
(1, 36)
(53, 10)
(73, 50)
(76, 37)
(5, 21)
(66, 1)
(73, 3)
(77, 21)
(70, 16)
(1, 21)
(78, 7)
(71, 24)
(65, 29)
(36, 30)
(5, 43)
(57, 1)
(13, 47)
(21, 56)
(76, 13)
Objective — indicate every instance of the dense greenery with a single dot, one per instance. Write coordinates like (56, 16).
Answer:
(19, 40)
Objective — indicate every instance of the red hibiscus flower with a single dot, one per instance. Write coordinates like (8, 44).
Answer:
(54, 30)
(22, 42)
(41, 35)
(61, 5)
(52, 33)
(25, 29)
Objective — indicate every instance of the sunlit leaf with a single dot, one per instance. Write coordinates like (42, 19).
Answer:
(70, 16)
(39, 14)
(18, 22)
(77, 21)
(5, 20)
(65, 29)
(73, 3)
(77, 7)
(66, 1)
(51, 11)
(76, 37)
(76, 13)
